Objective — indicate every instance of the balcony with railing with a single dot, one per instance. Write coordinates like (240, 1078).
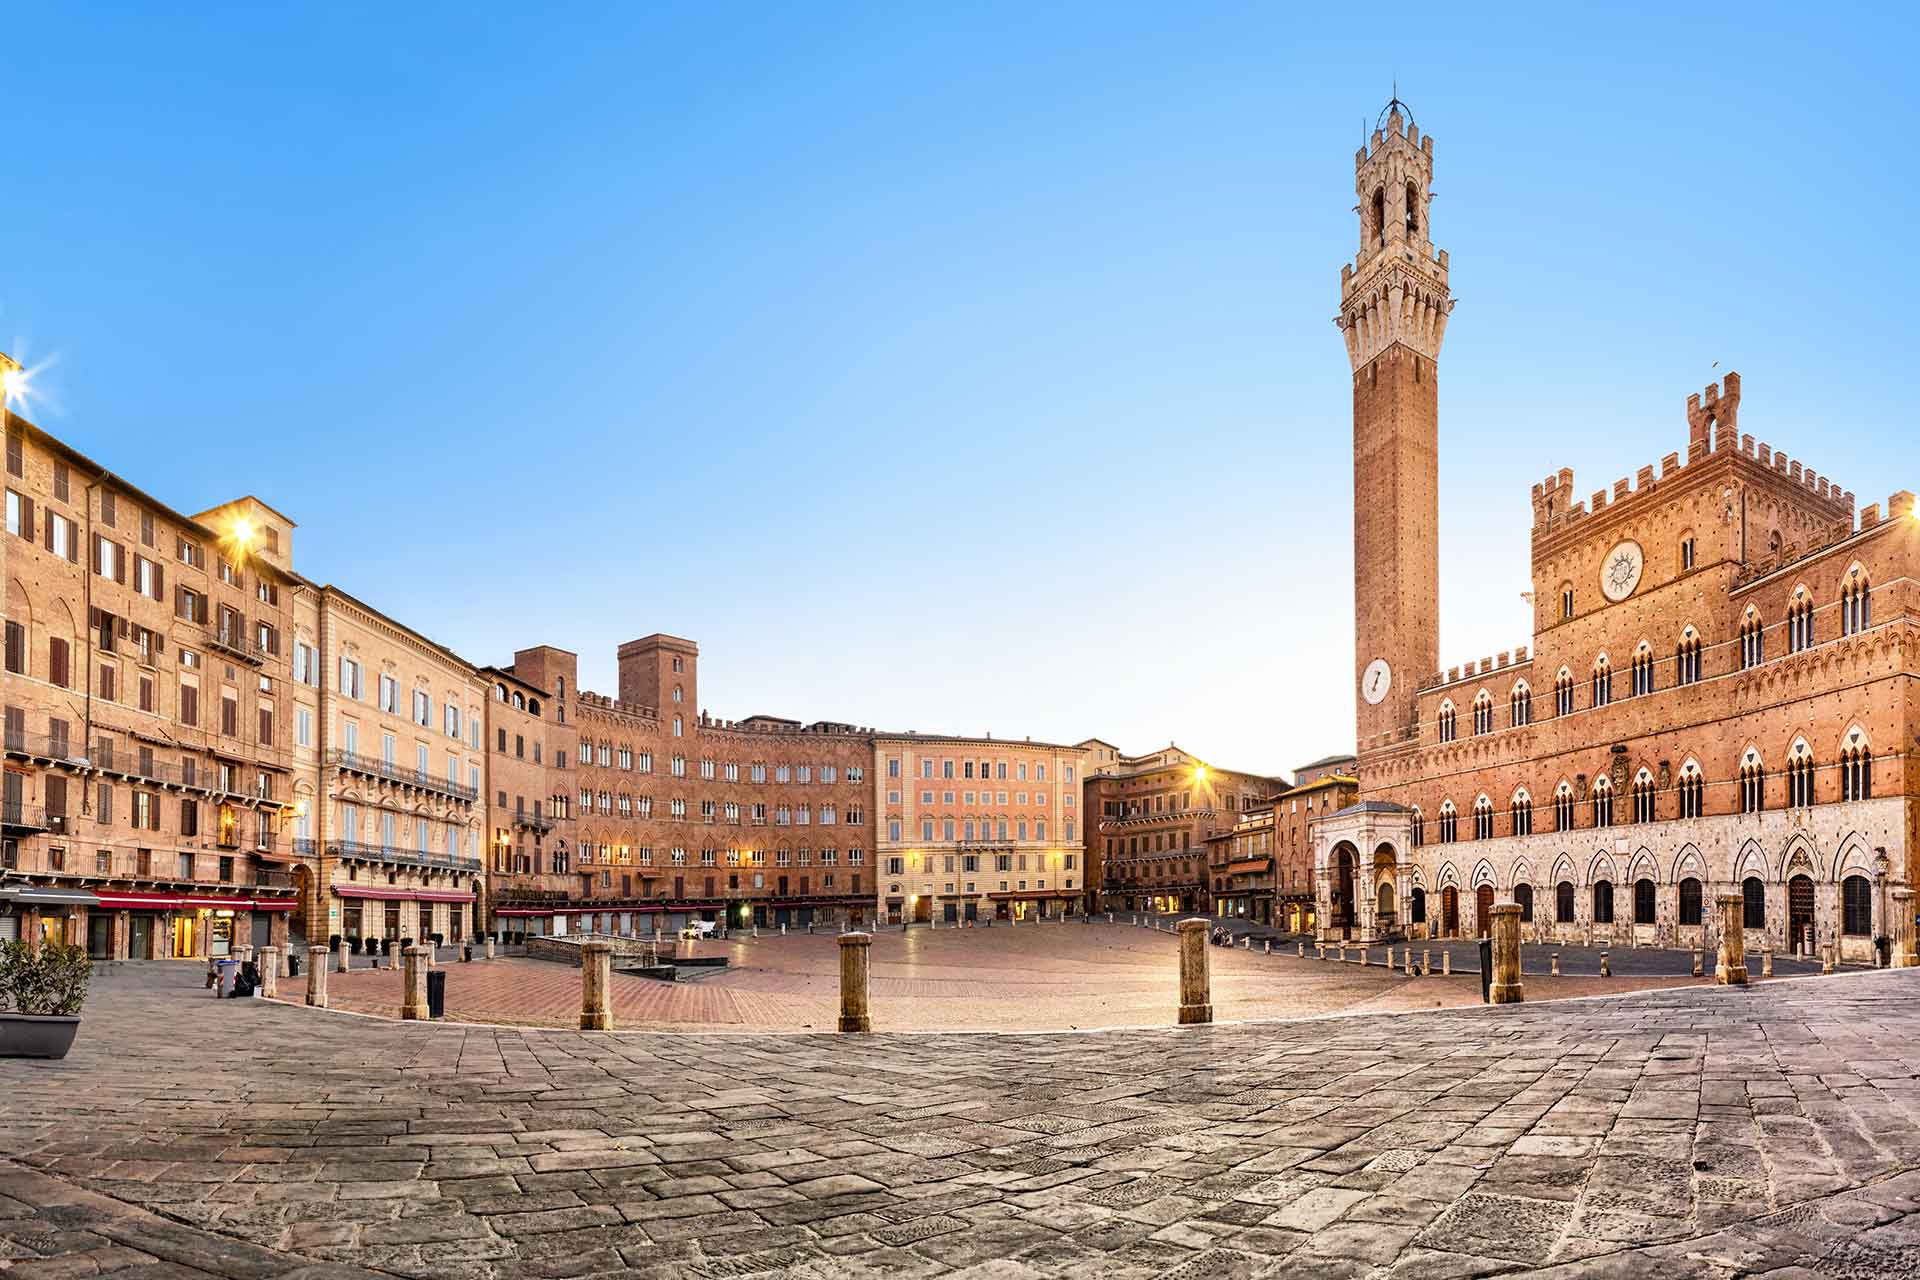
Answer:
(532, 822)
(401, 857)
(46, 750)
(18, 819)
(402, 774)
(236, 643)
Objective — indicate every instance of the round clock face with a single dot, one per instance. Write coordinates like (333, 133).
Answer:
(1620, 571)
(1375, 681)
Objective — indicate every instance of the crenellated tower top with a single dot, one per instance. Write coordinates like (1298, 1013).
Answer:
(1395, 289)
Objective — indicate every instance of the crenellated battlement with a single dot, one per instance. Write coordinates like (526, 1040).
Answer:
(1712, 430)
(1502, 661)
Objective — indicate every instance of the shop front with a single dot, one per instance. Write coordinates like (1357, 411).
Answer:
(160, 926)
(42, 913)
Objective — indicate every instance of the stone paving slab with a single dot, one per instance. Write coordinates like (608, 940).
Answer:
(1686, 1132)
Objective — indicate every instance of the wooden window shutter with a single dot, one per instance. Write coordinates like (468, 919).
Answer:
(47, 533)
(57, 661)
(159, 581)
(153, 811)
(26, 517)
(120, 564)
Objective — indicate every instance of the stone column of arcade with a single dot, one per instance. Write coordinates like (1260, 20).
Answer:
(1196, 985)
(1732, 970)
(1506, 987)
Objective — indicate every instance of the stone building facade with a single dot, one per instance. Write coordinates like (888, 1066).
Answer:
(1150, 819)
(147, 774)
(1323, 791)
(978, 828)
(393, 811)
(1716, 697)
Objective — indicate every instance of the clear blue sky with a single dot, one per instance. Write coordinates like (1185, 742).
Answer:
(961, 368)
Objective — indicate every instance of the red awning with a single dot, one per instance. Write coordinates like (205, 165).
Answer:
(530, 911)
(367, 891)
(273, 904)
(175, 902)
(435, 895)
(143, 901)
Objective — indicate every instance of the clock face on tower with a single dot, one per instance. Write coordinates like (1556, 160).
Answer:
(1620, 571)
(1375, 681)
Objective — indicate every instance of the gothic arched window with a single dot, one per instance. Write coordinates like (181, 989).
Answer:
(1753, 782)
(1856, 604)
(1380, 215)
(1800, 622)
(1483, 713)
(1449, 822)
(1602, 681)
(1643, 797)
(1413, 212)
(1693, 790)
(1689, 901)
(1520, 703)
(1856, 771)
(1483, 819)
(1687, 658)
(1602, 802)
(1563, 808)
(1753, 641)
(1449, 726)
(1643, 670)
(1800, 776)
(1521, 812)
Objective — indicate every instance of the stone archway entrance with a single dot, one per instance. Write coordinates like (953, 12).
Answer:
(1449, 912)
(1384, 908)
(1343, 905)
(1482, 910)
(1799, 913)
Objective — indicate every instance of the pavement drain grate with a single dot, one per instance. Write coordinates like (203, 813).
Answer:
(1399, 1160)
(1125, 1195)
(918, 1229)
(766, 1262)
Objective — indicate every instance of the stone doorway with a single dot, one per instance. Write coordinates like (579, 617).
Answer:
(1482, 910)
(1343, 859)
(1799, 913)
(1449, 912)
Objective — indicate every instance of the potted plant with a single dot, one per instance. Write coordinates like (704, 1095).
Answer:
(40, 998)
(353, 945)
(333, 942)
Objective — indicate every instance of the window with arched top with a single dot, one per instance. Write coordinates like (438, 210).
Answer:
(1642, 670)
(1603, 902)
(1602, 801)
(1563, 807)
(1643, 797)
(1643, 901)
(1419, 827)
(1449, 822)
(1563, 902)
(1483, 713)
(1753, 640)
(1523, 894)
(1687, 551)
(1520, 704)
(1800, 775)
(1856, 767)
(1413, 211)
(1448, 722)
(1753, 904)
(1753, 782)
(1690, 906)
(1693, 790)
(1520, 812)
(499, 693)
(1379, 215)
(519, 701)
(1856, 603)
(1856, 906)
(1483, 819)
(1686, 658)
(1563, 693)
(1602, 681)
(1800, 622)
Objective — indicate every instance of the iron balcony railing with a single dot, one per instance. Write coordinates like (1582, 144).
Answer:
(28, 819)
(305, 846)
(401, 857)
(533, 822)
(237, 643)
(400, 773)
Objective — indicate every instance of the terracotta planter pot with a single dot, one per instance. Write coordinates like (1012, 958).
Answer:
(28, 1035)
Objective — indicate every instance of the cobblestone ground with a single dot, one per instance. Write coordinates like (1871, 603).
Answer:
(1694, 1131)
(1044, 978)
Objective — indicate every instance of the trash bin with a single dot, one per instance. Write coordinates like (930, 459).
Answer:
(228, 970)
(293, 964)
(1486, 971)
(436, 993)
(466, 953)
(1883, 948)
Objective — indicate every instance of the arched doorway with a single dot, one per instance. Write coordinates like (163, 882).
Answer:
(1383, 906)
(1799, 913)
(1449, 912)
(1483, 910)
(1343, 860)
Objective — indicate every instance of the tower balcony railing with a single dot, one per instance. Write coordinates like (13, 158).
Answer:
(402, 774)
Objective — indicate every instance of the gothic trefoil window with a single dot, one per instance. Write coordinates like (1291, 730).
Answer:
(1483, 713)
(1692, 791)
(1753, 642)
(1643, 670)
(1799, 623)
(1520, 704)
(1643, 797)
(1856, 604)
(1563, 808)
(1800, 776)
(1602, 682)
(1602, 803)
(1753, 783)
(1449, 729)
(1686, 659)
(1483, 819)
(1856, 768)
(1521, 813)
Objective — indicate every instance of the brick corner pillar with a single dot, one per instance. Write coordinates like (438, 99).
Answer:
(1506, 987)
(413, 983)
(269, 972)
(1904, 955)
(1196, 984)
(1732, 969)
(317, 977)
(596, 977)
(855, 1013)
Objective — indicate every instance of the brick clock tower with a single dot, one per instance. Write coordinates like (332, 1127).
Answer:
(1393, 313)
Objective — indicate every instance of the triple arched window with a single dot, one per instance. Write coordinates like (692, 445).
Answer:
(1449, 722)
(1521, 813)
(1602, 801)
(1563, 807)
(1602, 682)
(1753, 783)
(1643, 797)
(1856, 771)
(1800, 776)
(1686, 658)
(1483, 713)
(1800, 622)
(1856, 604)
(1483, 819)
(1693, 791)
(1643, 670)
(1563, 693)
(1520, 703)
(1449, 823)
(1753, 641)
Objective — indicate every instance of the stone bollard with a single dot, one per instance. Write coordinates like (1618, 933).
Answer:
(1696, 964)
(1766, 962)
(246, 955)
(344, 954)
(1246, 943)
(1446, 964)
(413, 983)
(317, 977)
(1319, 951)
(1733, 941)
(269, 972)
(489, 951)
(286, 961)
(1303, 950)
(783, 930)
(1343, 953)
(596, 977)
(1109, 917)
(1504, 928)
(1196, 987)
(394, 956)
(1555, 969)
(854, 1010)
(1826, 959)
(1409, 960)
(1268, 944)
(1606, 964)
(1426, 961)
